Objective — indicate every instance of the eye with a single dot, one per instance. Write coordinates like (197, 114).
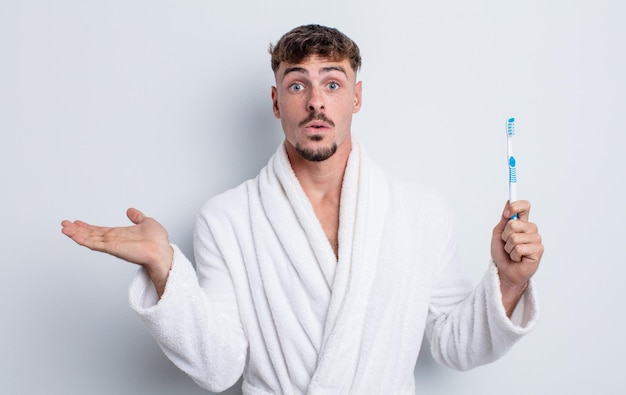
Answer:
(296, 87)
(333, 86)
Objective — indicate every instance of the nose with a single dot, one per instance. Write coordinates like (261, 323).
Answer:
(315, 101)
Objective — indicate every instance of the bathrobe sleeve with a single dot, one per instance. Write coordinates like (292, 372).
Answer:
(197, 327)
(467, 326)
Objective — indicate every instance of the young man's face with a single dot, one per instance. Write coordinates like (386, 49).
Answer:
(315, 100)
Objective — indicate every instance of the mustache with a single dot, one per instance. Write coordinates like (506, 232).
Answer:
(317, 116)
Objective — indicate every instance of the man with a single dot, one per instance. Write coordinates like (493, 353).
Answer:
(322, 274)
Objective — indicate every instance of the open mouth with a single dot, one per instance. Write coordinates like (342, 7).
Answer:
(317, 121)
(317, 126)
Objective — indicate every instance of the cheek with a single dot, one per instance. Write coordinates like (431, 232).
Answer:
(289, 109)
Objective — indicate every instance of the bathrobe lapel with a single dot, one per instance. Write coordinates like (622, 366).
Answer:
(314, 328)
(291, 278)
(362, 216)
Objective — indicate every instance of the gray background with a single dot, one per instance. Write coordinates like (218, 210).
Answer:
(162, 104)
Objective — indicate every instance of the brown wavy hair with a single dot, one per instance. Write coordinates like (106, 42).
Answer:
(307, 40)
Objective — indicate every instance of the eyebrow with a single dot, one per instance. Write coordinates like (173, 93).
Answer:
(327, 69)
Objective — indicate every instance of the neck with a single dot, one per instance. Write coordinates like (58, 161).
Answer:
(320, 180)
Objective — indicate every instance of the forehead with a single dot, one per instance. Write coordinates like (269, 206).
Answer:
(315, 65)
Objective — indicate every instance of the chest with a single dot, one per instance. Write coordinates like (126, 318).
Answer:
(327, 214)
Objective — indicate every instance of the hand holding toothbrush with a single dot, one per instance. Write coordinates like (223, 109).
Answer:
(516, 246)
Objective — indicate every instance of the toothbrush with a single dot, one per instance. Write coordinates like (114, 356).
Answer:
(510, 132)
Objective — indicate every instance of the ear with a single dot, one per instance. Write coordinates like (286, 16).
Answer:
(275, 108)
(358, 92)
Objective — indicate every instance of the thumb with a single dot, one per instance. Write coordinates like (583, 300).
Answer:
(135, 215)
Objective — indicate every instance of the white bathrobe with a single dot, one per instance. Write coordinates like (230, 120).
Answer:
(268, 297)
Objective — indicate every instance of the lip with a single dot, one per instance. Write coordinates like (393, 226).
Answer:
(316, 126)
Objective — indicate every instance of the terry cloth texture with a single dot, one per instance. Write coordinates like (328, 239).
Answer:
(269, 299)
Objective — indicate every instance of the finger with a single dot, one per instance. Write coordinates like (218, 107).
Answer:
(521, 208)
(513, 227)
(532, 252)
(68, 228)
(66, 224)
(135, 215)
(91, 228)
(521, 238)
(83, 236)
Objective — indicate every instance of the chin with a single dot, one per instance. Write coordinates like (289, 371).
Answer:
(316, 154)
